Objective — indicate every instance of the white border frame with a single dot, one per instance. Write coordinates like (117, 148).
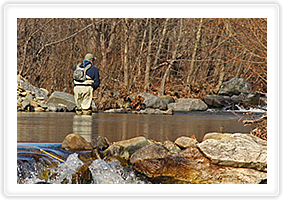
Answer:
(12, 12)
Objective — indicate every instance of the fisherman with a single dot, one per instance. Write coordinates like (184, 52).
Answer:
(86, 81)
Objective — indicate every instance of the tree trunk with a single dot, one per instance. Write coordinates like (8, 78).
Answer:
(191, 69)
(167, 72)
(126, 58)
(148, 61)
(160, 43)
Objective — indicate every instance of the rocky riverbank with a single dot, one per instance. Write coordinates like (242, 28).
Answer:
(221, 158)
(232, 94)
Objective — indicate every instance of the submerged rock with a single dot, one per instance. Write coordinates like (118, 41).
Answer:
(133, 144)
(190, 104)
(191, 166)
(236, 150)
(76, 143)
(150, 151)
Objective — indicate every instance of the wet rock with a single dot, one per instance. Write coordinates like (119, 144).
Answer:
(185, 142)
(116, 151)
(99, 142)
(88, 157)
(75, 142)
(218, 101)
(133, 144)
(190, 104)
(151, 151)
(235, 86)
(236, 150)
(82, 176)
(152, 101)
(191, 166)
(54, 108)
(63, 98)
(118, 110)
(151, 111)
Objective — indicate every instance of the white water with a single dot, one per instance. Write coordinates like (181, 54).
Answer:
(102, 172)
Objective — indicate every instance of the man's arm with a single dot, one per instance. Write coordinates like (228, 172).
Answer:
(96, 79)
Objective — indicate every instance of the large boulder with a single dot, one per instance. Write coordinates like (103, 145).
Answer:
(133, 144)
(151, 151)
(75, 142)
(191, 166)
(99, 142)
(190, 104)
(152, 101)
(235, 86)
(236, 150)
(63, 98)
(37, 91)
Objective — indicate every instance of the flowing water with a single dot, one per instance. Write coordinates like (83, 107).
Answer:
(39, 135)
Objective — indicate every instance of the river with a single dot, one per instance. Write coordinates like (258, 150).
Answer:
(49, 127)
(40, 158)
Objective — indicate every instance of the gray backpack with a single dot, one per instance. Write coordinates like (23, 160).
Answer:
(80, 73)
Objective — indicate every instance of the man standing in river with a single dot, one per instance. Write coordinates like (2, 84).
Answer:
(86, 80)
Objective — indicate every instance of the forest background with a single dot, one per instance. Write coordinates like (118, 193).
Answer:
(185, 58)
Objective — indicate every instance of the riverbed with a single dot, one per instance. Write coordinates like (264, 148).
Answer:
(50, 127)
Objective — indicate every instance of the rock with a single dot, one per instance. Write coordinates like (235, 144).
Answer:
(46, 91)
(39, 109)
(171, 146)
(151, 111)
(117, 151)
(191, 166)
(151, 151)
(75, 142)
(63, 98)
(133, 144)
(152, 101)
(168, 98)
(82, 176)
(89, 157)
(235, 86)
(216, 136)
(118, 110)
(236, 150)
(25, 104)
(218, 101)
(99, 142)
(37, 91)
(190, 104)
(185, 142)
(54, 108)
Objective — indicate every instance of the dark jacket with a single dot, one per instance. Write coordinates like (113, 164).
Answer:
(92, 72)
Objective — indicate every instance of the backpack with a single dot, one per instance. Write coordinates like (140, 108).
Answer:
(80, 73)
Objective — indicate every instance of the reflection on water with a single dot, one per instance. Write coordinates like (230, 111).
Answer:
(82, 125)
(54, 127)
